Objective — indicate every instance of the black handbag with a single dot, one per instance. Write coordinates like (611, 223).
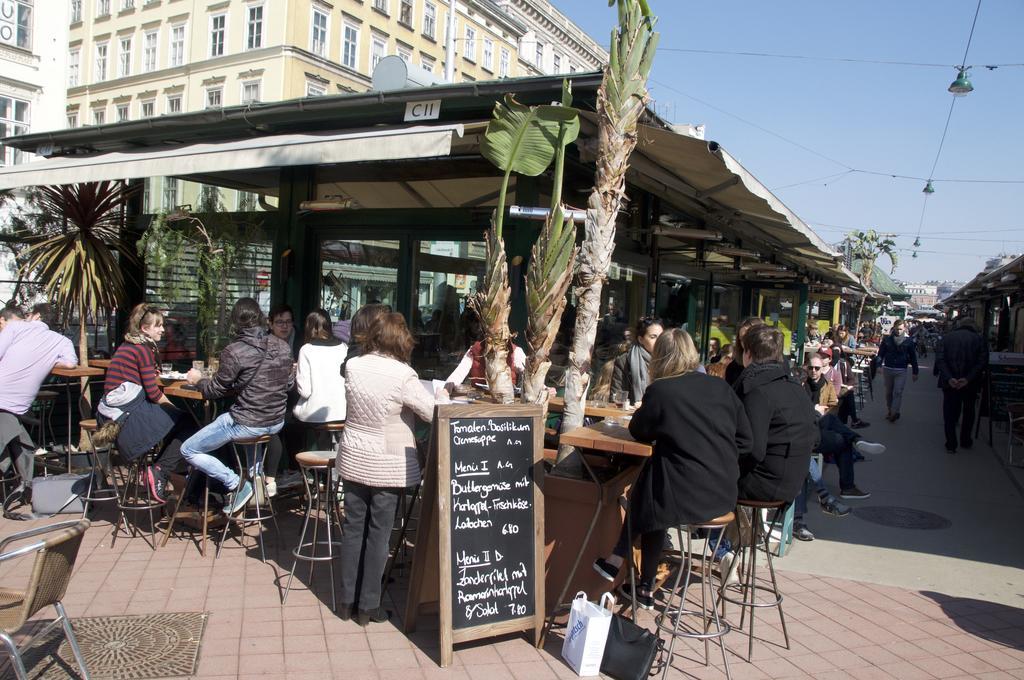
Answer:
(630, 650)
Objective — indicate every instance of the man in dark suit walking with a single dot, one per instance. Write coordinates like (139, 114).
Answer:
(960, 363)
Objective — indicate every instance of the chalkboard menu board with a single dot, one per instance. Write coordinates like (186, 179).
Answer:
(492, 545)
(1005, 383)
(480, 541)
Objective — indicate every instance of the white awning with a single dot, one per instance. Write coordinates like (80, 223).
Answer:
(247, 154)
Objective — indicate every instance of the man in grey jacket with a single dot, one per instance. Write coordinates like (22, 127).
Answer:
(257, 367)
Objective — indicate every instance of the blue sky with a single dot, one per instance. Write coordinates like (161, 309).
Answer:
(883, 118)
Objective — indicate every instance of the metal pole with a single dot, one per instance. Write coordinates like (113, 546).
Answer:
(449, 43)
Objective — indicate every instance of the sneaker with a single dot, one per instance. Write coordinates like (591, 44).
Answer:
(833, 506)
(271, 487)
(870, 448)
(643, 600)
(156, 483)
(801, 532)
(727, 567)
(289, 479)
(858, 424)
(724, 548)
(238, 498)
(854, 493)
(607, 571)
(365, 617)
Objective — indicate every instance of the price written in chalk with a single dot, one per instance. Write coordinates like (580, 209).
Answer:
(492, 539)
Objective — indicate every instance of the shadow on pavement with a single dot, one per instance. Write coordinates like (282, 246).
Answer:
(991, 621)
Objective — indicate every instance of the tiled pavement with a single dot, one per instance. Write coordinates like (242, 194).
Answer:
(838, 628)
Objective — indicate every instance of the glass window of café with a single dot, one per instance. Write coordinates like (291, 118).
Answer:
(726, 303)
(681, 304)
(778, 308)
(442, 277)
(623, 303)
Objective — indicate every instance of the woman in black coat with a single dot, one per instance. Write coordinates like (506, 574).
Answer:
(699, 430)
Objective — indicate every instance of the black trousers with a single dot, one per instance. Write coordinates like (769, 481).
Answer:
(848, 407)
(652, 543)
(954, 404)
(369, 517)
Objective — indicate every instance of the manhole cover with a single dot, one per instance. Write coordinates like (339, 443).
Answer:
(122, 648)
(902, 518)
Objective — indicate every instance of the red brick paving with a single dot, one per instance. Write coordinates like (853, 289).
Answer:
(838, 628)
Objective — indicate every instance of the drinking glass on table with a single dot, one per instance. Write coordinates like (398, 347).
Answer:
(199, 364)
(619, 397)
(166, 368)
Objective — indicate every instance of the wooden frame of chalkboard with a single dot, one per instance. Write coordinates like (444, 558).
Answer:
(490, 460)
(1004, 385)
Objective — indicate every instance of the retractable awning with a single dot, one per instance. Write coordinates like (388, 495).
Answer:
(257, 153)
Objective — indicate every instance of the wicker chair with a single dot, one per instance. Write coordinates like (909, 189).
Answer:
(55, 559)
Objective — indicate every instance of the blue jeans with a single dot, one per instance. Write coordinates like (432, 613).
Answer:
(196, 449)
(813, 476)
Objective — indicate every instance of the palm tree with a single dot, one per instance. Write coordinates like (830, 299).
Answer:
(76, 254)
(621, 100)
(867, 247)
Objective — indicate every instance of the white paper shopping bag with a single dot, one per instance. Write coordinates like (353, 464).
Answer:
(587, 634)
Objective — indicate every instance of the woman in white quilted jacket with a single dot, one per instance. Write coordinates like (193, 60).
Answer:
(377, 458)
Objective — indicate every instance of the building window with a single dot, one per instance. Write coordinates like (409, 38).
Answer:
(124, 58)
(405, 12)
(170, 194)
(251, 92)
(174, 103)
(315, 90)
(470, 51)
(318, 38)
(429, 19)
(74, 67)
(405, 53)
(14, 120)
(538, 57)
(122, 113)
(427, 63)
(350, 47)
(76, 11)
(488, 62)
(254, 28)
(378, 48)
(556, 62)
(572, 67)
(149, 45)
(127, 4)
(503, 63)
(101, 63)
(99, 116)
(148, 108)
(177, 56)
(72, 120)
(218, 26)
(102, 8)
(214, 98)
(381, 5)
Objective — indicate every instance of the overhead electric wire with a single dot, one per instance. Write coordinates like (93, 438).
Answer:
(850, 60)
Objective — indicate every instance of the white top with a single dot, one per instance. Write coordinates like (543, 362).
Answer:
(458, 376)
(319, 382)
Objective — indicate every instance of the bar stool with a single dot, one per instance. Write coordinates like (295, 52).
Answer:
(261, 509)
(317, 469)
(177, 508)
(135, 495)
(757, 539)
(44, 404)
(707, 614)
(332, 429)
(106, 491)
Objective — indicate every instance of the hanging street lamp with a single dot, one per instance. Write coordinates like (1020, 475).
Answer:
(928, 188)
(961, 87)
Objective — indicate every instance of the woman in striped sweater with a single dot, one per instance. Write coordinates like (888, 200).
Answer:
(132, 397)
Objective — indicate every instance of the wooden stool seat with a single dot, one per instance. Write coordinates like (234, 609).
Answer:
(725, 520)
(333, 426)
(46, 395)
(250, 441)
(89, 425)
(316, 458)
(761, 505)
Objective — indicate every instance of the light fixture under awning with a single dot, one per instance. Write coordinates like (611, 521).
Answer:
(248, 154)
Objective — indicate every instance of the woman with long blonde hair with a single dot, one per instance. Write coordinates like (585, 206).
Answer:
(699, 429)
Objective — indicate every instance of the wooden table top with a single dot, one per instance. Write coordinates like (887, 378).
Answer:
(177, 389)
(608, 438)
(78, 371)
(101, 363)
(557, 405)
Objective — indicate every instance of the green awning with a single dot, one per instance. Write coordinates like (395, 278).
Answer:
(882, 283)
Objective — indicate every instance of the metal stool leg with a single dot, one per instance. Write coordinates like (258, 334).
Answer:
(302, 535)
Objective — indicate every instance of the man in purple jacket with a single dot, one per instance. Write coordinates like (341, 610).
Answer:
(29, 350)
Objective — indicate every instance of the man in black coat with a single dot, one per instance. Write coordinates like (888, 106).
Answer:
(781, 419)
(961, 359)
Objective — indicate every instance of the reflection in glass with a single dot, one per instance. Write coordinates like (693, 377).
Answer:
(354, 273)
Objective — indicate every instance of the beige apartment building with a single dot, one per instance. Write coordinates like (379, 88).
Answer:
(135, 59)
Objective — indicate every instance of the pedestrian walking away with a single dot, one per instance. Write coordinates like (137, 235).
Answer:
(960, 364)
